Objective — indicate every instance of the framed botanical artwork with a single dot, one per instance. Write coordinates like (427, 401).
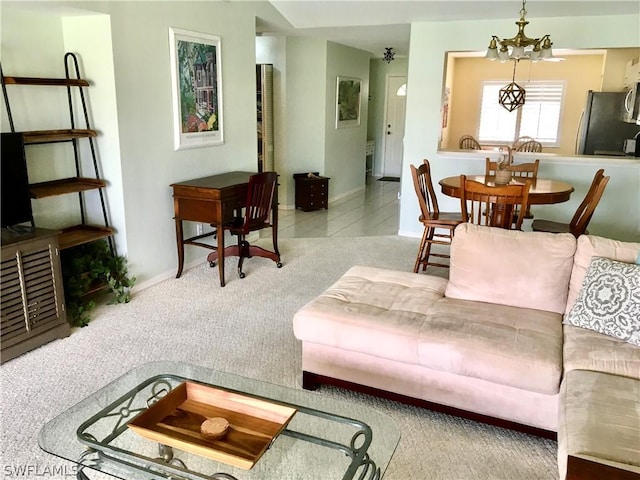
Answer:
(197, 89)
(348, 102)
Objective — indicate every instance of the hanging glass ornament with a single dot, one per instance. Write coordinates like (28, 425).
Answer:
(512, 96)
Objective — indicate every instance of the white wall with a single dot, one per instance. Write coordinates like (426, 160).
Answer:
(305, 107)
(430, 42)
(305, 71)
(95, 59)
(123, 48)
(143, 82)
(32, 46)
(344, 158)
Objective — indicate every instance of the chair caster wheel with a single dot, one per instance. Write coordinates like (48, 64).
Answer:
(212, 264)
(279, 265)
(241, 275)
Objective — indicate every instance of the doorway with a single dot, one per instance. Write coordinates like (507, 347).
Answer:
(395, 107)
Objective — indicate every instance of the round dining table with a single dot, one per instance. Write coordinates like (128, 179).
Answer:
(543, 191)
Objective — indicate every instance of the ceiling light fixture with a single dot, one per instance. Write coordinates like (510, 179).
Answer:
(520, 47)
(512, 96)
(388, 54)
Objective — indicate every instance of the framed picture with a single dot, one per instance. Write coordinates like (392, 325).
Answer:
(197, 89)
(348, 102)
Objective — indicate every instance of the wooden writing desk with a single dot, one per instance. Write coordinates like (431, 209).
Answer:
(213, 200)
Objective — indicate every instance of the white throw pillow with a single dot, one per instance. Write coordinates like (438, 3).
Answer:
(609, 300)
(509, 267)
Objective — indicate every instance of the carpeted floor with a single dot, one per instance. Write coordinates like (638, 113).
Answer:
(245, 328)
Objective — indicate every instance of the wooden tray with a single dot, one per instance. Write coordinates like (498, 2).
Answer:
(176, 418)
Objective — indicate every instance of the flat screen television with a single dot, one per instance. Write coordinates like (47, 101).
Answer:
(16, 201)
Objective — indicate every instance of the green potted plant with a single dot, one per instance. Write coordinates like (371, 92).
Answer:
(90, 270)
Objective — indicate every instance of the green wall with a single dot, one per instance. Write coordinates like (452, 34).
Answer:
(617, 215)
(344, 147)
(131, 39)
(123, 49)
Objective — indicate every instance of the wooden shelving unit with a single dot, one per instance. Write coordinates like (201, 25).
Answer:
(53, 136)
(60, 82)
(75, 234)
(79, 234)
(63, 186)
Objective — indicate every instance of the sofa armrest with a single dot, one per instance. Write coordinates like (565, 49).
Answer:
(582, 469)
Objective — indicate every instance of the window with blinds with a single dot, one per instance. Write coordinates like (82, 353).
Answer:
(538, 118)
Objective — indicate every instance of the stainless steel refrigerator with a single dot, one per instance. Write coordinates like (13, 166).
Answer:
(601, 130)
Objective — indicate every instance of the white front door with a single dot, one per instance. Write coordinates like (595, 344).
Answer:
(394, 125)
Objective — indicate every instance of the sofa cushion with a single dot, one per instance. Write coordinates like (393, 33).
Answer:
(510, 267)
(599, 420)
(590, 246)
(609, 300)
(371, 310)
(587, 350)
(510, 346)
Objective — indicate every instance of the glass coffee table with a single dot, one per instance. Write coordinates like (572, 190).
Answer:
(325, 438)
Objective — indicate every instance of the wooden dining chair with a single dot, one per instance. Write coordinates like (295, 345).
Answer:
(432, 218)
(520, 171)
(523, 171)
(578, 224)
(490, 168)
(527, 144)
(468, 142)
(493, 206)
(257, 216)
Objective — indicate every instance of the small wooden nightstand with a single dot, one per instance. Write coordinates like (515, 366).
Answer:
(312, 193)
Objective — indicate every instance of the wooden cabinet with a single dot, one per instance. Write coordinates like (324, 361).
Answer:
(264, 103)
(85, 231)
(312, 193)
(33, 311)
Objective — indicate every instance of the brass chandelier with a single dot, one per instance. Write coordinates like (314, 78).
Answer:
(520, 47)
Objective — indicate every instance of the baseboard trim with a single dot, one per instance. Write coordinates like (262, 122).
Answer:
(311, 381)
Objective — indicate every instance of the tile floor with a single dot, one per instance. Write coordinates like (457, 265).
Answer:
(372, 212)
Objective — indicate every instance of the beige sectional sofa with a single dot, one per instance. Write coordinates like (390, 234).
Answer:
(489, 343)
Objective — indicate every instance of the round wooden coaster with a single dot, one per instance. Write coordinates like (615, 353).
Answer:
(214, 428)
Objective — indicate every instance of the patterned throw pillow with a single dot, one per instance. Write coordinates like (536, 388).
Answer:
(609, 300)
